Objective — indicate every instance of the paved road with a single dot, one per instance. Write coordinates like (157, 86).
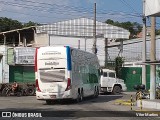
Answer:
(104, 103)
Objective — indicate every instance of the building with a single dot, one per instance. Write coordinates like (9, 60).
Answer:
(76, 33)
(10, 69)
(132, 49)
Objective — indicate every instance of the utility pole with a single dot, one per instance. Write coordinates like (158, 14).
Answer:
(85, 40)
(94, 48)
(106, 52)
(152, 58)
(78, 44)
(144, 47)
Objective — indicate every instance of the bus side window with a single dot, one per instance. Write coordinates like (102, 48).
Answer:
(104, 74)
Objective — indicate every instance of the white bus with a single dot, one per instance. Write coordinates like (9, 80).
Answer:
(65, 73)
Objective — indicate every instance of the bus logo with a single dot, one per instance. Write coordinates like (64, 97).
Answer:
(6, 114)
(51, 63)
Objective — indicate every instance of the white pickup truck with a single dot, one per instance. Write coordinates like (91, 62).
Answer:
(110, 83)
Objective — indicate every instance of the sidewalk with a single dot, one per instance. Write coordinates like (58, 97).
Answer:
(147, 104)
(151, 104)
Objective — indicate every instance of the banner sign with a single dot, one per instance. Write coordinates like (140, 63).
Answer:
(37, 114)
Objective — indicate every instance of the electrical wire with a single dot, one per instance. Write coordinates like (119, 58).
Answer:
(41, 5)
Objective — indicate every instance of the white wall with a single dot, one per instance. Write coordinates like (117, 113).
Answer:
(133, 52)
(4, 67)
(41, 39)
(73, 42)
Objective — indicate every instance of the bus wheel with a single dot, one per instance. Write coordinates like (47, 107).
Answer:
(97, 92)
(48, 102)
(116, 90)
(78, 97)
(81, 96)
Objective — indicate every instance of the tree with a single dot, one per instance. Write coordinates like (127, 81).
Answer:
(134, 28)
(109, 21)
(7, 24)
(118, 65)
(30, 23)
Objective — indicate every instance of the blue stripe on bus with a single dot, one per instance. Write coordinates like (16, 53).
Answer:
(68, 50)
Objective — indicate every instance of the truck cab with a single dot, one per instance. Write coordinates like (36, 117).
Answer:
(110, 83)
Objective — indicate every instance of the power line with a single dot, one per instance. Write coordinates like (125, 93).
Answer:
(64, 6)
(61, 10)
(38, 8)
(130, 7)
(51, 11)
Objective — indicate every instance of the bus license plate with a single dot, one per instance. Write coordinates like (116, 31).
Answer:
(53, 96)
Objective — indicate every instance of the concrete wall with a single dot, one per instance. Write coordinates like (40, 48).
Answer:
(41, 39)
(4, 67)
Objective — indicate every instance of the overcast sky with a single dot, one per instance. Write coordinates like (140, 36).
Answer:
(49, 11)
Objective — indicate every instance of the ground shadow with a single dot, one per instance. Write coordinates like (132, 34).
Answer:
(86, 100)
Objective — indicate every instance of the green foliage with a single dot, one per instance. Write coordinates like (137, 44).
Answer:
(134, 28)
(158, 32)
(158, 73)
(30, 23)
(7, 24)
(118, 66)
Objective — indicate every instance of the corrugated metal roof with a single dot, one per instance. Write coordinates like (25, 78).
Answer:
(17, 30)
(83, 27)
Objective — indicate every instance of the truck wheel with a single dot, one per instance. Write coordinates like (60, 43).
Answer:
(116, 90)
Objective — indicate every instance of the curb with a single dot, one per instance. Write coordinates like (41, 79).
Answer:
(124, 102)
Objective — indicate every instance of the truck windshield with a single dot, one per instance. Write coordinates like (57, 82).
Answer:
(104, 74)
(111, 74)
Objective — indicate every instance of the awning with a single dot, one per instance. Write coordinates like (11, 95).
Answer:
(148, 63)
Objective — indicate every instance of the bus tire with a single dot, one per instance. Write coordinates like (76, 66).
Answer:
(48, 102)
(81, 96)
(116, 90)
(78, 99)
(95, 92)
